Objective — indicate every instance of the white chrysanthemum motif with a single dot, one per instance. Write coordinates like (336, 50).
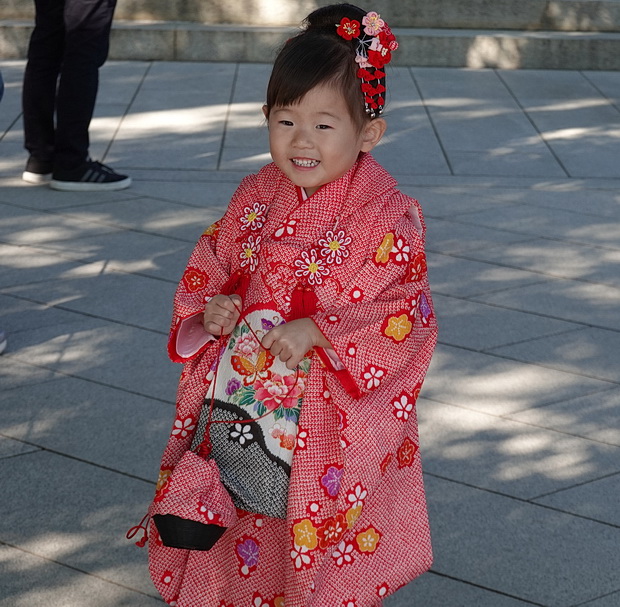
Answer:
(312, 267)
(335, 246)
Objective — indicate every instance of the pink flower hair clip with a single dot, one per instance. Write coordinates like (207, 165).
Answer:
(375, 43)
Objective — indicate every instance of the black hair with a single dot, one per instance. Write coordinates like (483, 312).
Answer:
(318, 55)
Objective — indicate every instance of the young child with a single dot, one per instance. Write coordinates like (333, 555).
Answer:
(306, 327)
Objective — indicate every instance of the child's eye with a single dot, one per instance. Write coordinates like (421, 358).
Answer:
(323, 126)
(286, 122)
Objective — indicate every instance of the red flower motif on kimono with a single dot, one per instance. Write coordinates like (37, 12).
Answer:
(400, 251)
(348, 28)
(278, 391)
(311, 266)
(332, 530)
(249, 255)
(259, 601)
(343, 554)
(387, 460)
(357, 496)
(247, 551)
(373, 376)
(183, 427)
(210, 517)
(417, 268)
(194, 280)
(356, 294)
(301, 557)
(167, 578)
(286, 229)
(302, 438)
(406, 452)
(335, 246)
(253, 216)
(403, 406)
(382, 590)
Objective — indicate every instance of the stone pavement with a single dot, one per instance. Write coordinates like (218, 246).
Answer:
(518, 173)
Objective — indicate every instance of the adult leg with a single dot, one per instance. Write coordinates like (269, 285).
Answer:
(87, 32)
(45, 54)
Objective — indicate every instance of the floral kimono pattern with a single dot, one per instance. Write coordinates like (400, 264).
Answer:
(351, 257)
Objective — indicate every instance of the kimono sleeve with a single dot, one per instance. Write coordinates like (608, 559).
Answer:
(383, 328)
(207, 270)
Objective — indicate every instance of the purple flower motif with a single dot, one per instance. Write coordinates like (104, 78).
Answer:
(331, 480)
(248, 551)
(232, 386)
(425, 307)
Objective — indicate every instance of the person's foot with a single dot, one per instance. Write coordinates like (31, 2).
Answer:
(2, 341)
(37, 171)
(92, 176)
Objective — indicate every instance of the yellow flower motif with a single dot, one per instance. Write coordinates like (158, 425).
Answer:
(212, 229)
(305, 534)
(367, 540)
(398, 327)
(164, 475)
(352, 515)
(385, 248)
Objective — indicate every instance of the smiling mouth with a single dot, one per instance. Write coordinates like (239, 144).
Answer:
(305, 162)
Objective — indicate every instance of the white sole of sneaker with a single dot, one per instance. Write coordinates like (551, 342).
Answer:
(36, 178)
(88, 186)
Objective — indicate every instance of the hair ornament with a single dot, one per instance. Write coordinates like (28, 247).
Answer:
(375, 43)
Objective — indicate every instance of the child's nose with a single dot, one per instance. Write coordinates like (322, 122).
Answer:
(302, 139)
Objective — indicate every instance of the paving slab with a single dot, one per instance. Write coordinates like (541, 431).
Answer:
(485, 451)
(519, 410)
(64, 415)
(593, 416)
(530, 552)
(29, 580)
(596, 500)
(481, 327)
(584, 352)
(71, 515)
(488, 383)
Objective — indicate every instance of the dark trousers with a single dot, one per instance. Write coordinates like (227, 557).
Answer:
(69, 44)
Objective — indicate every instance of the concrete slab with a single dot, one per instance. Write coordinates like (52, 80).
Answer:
(586, 351)
(577, 301)
(466, 278)
(528, 219)
(558, 259)
(592, 416)
(32, 581)
(434, 590)
(108, 353)
(532, 553)
(11, 448)
(507, 457)
(479, 327)
(70, 516)
(596, 500)
(62, 415)
(490, 384)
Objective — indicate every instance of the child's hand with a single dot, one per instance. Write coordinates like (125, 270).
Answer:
(291, 341)
(221, 314)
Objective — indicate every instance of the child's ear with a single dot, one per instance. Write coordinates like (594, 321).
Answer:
(266, 111)
(372, 134)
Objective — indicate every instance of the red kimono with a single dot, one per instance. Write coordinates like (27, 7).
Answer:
(355, 527)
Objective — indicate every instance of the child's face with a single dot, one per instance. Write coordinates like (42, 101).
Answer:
(316, 141)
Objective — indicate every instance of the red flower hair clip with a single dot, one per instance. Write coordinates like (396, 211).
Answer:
(375, 43)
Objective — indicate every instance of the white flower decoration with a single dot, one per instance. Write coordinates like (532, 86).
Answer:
(299, 556)
(335, 246)
(403, 407)
(249, 254)
(343, 554)
(373, 376)
(357, 496)
(401, 250)
(253, 216)
(312, 266)
(183, 427)
(242, 433)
